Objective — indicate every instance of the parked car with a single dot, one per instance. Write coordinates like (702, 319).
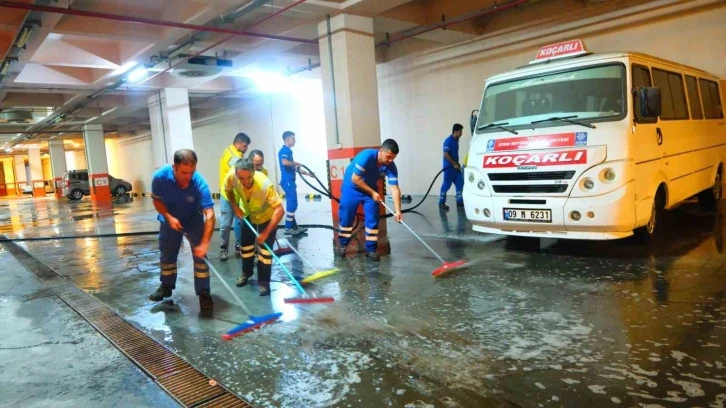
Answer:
(75, 185)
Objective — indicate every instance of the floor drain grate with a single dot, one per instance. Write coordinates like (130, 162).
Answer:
(181, 380)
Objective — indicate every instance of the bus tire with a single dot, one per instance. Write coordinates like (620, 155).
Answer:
(650, 231)
(708, 199)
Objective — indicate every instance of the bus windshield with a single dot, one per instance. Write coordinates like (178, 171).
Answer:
(584, 95)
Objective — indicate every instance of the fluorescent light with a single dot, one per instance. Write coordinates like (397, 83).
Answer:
(270, 82)
(124, 68)
(137, 74)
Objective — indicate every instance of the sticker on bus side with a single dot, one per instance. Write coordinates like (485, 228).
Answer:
(535, 159)
(537, 142)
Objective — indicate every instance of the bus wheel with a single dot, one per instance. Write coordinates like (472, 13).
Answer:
(708, 199)
(652, 229)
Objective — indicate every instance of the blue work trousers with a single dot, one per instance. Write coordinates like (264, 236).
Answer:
(350, 200)
(169, 244)
(290, 189)
(455, 177)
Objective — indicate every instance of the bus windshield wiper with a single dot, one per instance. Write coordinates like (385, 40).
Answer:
(497, 125)
(565, 119)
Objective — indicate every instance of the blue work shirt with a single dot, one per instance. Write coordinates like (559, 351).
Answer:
(365, 164)
(183, 204)
(286, 173)
(451, 146)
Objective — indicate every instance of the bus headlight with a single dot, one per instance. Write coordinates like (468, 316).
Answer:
(471, 177)
(589, 184)
(480, 184)
(609, 175)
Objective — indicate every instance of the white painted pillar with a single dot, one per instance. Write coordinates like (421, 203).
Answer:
(57, 164)
(171, 124)
(36, 172)
(20, 177)
(97, 164)
(350, 99)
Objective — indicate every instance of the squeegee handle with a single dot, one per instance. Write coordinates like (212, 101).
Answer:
(231, 292)
(299, 255)
(219, 277)
(416, 235)
(284, 268)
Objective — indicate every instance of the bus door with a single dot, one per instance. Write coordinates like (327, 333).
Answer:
(646, 146)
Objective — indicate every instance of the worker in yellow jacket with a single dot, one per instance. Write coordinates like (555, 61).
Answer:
(258, 162)
(230, 155)
(262, 206)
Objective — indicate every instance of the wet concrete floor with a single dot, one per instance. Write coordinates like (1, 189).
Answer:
(573, 324)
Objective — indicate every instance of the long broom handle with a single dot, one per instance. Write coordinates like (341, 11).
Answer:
(231, 292)
(292, 278)
(416, 235)
(219, 277)
(300, 256)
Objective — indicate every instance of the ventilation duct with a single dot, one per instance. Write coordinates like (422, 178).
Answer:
(201, 66)
(17, 116)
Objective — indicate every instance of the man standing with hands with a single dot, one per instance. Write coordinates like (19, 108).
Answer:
(230, 155)
(185, 206)
(452, 168)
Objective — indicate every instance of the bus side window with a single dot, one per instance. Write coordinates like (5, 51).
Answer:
(673, 96)
(693, 99)
(641, 78)
(711, 101)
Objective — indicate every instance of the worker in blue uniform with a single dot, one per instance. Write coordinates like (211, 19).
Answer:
(184, 203)
(288, 166)
(360, 186)
(452, 168)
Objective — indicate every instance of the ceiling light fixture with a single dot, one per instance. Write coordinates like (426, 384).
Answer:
(137, 74)
(23, 37)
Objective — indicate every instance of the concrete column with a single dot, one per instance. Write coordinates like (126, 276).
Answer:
(171, 124)
(10, 181)
(20, 176)
(97, 164)
(350, 97)
(36, 172)
(57, 164)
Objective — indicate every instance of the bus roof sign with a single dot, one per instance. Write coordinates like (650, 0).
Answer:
(560, 50)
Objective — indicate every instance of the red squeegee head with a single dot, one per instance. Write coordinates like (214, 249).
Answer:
(447, 267)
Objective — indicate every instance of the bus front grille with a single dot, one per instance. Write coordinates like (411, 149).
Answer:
(530, 188)
(532, 175)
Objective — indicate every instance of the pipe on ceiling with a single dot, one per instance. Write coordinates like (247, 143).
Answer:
(141, 20)
(223, 40)
(431, 27)
(202, 28)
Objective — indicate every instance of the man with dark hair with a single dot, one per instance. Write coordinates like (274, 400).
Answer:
(230, 155)
(360, 186)
(287, 182)
(182, 198)
(452, 168)
(261, 204)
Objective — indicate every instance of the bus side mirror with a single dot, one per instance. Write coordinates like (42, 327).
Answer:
(472, 121)
(650, 103)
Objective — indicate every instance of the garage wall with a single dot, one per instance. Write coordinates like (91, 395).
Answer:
(75, 160)
(264, 118)
(421, 96)
(132, 160)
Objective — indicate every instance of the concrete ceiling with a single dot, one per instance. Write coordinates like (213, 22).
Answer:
(68, 58)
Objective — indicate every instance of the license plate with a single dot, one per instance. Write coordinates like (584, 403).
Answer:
(527, 215)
